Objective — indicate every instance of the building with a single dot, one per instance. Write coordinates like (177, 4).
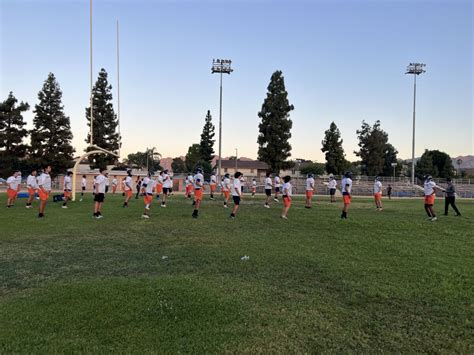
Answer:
(252, 168)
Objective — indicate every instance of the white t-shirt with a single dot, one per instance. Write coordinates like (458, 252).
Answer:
(268, 183)
(167, 181)
(100, 183)
(213, 179)
(45, 182)
(287, 189)
(84, 182)
(429, 187)
(344, 182)
(32, 182)
(159, 179)
(277, 181)
(190, 180)
(377, 187)
(114, 182)
(198, 181)
(67, 183)
(332, 184)
(254, 183)
(147, 183)
(12, 182)
(226, 185)
(310, 184)
(236, 188)
(128, 183)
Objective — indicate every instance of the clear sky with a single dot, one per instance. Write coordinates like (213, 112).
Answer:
(343, 61)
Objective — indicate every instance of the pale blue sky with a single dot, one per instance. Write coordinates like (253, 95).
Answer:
(342, 61)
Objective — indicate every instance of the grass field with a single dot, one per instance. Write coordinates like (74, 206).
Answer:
(379, 282)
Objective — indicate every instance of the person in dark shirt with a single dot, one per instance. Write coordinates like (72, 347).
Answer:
(138, 187)
(389, 191)
(450, 198)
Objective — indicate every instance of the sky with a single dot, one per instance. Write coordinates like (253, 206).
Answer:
(343, 61)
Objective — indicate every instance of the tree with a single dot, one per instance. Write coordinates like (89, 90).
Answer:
(105, 123)
(313, 168)
(12, 134)
(336, 162)
(149, 160)
(193, 157)
(275, 125)
(207, 141)
(390, 156)
(51, 136)
(435, 163)
(373, 147)
(178, 165)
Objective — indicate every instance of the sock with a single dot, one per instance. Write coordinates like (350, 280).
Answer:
(195, 213)
(232, 215)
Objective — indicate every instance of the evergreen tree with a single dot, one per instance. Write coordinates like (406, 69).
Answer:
(193, 157)
(275, 125)
(373, 142)
(435, 163)
(424, 165)
(178, 166)
(148, 160)
(336, 162)
(51, 136)
(207, 141)
(12, 134)
(104, 124)
(390, 157)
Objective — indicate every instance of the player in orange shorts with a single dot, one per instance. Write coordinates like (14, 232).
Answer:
(198, 184)
(213, 185)
(32, 185)
(127, 189)
(346, 189)
(254, 187)
(286, 192)
(147, 192)
(226, 186)
(309, 191)
(378, 193)
(67, 190)
(430, 188)
(44, 185)
(13, 187)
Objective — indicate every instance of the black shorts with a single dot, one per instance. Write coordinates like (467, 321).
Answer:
(166, 190)
(268, 192)
(99, 197)
(171, 189)
(83, 188)
(332, 192)
(236, 200)
(277, 189)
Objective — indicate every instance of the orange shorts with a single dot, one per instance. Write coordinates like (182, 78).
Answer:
(226, 194)
(198, 195)
(213, 187)
(287, 201)
(43, 195)
(128, 193)
(148, 199)
(378, 196)
(254, 189)
(114, 188)
(429, 200)
(347, 199)
(159, 188)
(309, 193)
(67, 194)
(31, 191)
(12, 193)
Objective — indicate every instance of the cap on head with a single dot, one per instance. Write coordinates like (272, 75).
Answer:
(348, 174)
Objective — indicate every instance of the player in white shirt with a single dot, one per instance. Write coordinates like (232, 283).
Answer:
(114, 184)
(44, 189)
(236, 192)
(32, 185)
(128, 189)
(346, 189)
(268, 189)
(12, 188)
(277, 187)
(189, 185)
(254, 187)
(287, 193)
(83, 186)
(332, 186)
(67, 188)
(213, 185)
(100, 184)
(309, 190)
(147, 192)
(378, 193)
(226, 187)
(198, 186)
(430, 188)
(159, 185)
(167, 185)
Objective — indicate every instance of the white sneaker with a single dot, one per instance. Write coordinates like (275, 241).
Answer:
(434, 219)
(63, 206)
(80, 200)
(99, 216)
(276, 200)
(266, 206)
(284, 217)
(163, 206)
(225, 206)
(145, 216)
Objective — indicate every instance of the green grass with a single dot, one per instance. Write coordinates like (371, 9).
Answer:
(378, 282)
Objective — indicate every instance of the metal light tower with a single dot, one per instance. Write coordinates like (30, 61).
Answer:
(221, 66)
(415, 69)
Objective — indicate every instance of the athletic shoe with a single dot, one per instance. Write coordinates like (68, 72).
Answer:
(145, 216)
(225, 206)
(266, 206)
(284, 217)
(63, 206)
(163, 205)
(80, 200)
(307, 206)
(99, 216)
(276, 200)
(195, 216)
(434, 219)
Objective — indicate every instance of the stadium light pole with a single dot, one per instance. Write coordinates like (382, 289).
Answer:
(118, 88)
(415, 69)
(91, 79)
(221, 66)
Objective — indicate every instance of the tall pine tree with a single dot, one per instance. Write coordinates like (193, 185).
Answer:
(336, 162)
(273, 145)
(51, 136)
(12, 134)
(104, 123)
(206, 145)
